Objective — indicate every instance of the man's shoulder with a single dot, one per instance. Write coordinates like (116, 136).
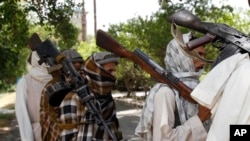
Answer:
(161, 86)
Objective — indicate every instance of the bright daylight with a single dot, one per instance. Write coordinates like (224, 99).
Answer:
(124, 70)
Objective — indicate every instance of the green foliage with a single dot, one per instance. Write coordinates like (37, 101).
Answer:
(69, 34)
(152, 34)
(56, 14)
(149, 35)
(13, 40)
(87, 48)
(7, 116)
(54, 23)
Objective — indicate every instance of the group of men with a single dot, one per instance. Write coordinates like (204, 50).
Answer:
(166, 115)
(34, 114)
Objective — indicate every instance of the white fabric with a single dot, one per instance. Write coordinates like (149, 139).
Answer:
(158, 117)
(27, 105)
(163, 119)
(226, 91)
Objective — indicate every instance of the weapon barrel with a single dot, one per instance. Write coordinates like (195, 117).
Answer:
(105, 41)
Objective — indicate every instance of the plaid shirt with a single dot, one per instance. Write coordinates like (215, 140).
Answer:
(50, 128)
(73, 111)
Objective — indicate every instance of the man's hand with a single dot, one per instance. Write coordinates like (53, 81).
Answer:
(204, 113)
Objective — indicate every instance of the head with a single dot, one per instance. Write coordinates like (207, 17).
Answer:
(100, 69)
(108, 61)
(74, 57)
(177, 61)
(186, 68)
(33, 60)
(198, 64)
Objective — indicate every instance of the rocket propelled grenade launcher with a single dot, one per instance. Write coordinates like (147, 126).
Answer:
(232, 41)
(49, 54)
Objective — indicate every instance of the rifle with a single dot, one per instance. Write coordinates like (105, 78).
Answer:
(227, 39)
(105, 41)
(49, 54)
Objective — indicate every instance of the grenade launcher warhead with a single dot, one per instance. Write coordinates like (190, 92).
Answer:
(231, 40)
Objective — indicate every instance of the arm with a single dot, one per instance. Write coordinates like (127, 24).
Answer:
(22, 113)
(164, 119)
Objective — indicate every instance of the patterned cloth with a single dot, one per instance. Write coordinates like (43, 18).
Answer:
(100, 81)
(72, 110)
(182, 67)
(48, 116)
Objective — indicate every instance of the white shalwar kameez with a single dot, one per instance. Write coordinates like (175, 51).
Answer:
(226, 91)
(27, 105)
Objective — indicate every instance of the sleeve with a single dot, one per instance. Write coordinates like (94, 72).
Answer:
(22, 112)
(207, 93)
(164, 119)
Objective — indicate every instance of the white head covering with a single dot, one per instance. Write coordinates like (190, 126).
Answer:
(182, 67)
(180, 64)
(37, 71)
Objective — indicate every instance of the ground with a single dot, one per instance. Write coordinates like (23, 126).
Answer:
(8, 124)
(9, 127)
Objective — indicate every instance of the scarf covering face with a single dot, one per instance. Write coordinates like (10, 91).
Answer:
(39, 72)
(101, 83)
(182, 66)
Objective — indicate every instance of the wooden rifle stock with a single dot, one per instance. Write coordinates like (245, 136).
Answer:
(105, 41)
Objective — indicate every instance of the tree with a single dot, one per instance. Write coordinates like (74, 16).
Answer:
(13, 37)
(56, 14)
(16, 21)
(152, 34)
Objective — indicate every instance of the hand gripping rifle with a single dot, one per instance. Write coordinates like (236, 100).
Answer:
(105, 41)
(227, 39)
(49, 53)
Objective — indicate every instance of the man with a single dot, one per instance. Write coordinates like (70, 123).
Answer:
(166, 114)
(76, 59)
(28, 94)
(49, 114)
(100, 69)
(225, 90)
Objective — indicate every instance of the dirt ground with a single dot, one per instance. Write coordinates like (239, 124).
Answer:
(8, 124)
(9, 128)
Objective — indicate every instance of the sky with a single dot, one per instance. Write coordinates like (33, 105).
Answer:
(116, 11)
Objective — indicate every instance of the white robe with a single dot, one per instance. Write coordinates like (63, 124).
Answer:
(158, 119)
(27, 105)
(226, 91)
